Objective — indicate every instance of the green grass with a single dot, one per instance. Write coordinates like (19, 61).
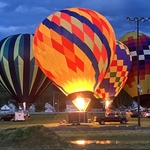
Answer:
(30, 138)
(53, 120)
(36, 119)
(37, 134)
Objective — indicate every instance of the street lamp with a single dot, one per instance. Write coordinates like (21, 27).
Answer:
(138, 20)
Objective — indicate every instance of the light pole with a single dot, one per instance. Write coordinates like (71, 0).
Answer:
(137, 21)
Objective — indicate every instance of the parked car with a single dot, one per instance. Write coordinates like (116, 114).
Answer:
(135, 113)
(146, 114)
(102, 120)
(8, 117)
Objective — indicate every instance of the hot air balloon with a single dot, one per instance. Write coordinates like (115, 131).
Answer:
(74, 48)
(117, 74)
(20, 74)
(130, 40)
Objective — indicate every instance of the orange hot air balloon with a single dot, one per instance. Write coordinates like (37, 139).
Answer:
(74, 48)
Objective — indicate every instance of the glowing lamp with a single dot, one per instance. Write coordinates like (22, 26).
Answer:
(107, 103)
(81, 103)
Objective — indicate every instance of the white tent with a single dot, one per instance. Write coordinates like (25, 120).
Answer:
(32, 108)
(49, 108)
(5, 109)
(12, 107)
(135, 106)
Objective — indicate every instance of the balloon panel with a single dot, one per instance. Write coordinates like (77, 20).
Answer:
(117, 74)
(74, 48)
(20, 74)
(130, 40)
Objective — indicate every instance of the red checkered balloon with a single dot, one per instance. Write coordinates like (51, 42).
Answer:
(117, 74)
(74, 48)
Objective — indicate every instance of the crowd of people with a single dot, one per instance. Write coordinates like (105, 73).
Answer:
(111, 113)
(134, 113)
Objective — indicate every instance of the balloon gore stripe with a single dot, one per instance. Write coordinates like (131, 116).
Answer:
(20, 74)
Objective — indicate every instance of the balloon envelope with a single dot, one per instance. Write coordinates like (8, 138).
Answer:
(117, 74)
(20, 74)
(74, 48)
(130, 40)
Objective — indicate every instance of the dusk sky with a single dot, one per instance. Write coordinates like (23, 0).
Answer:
(23, 16)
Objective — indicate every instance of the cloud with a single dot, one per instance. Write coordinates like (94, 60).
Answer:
(24, 10)
(20, 16)
(11, 30)
(21, 9)
(2, 4)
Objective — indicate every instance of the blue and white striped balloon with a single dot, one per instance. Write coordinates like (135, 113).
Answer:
(19, 73)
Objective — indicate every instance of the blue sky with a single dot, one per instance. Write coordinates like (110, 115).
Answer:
(23, 16)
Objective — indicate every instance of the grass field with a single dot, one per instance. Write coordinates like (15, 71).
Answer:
(54, 119)
(37, 133)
